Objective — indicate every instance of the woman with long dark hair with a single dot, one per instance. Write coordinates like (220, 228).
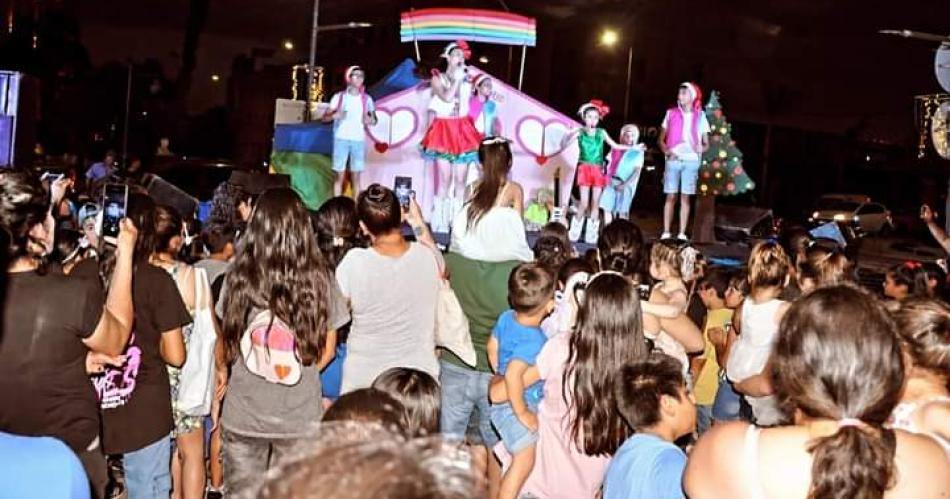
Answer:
(579, 427)
(837, 367)
(281, 276)
(490, 227)
(620, 248)
(53, 326)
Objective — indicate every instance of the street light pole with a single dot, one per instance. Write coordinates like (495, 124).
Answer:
(626, 95)
(311, 66)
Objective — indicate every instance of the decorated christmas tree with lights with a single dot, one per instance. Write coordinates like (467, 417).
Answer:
(721, 173)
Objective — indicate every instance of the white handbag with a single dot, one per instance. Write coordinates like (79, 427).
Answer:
(451, 325)
(196, 382)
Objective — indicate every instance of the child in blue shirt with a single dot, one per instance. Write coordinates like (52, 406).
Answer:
(513, 347)
(652, 397)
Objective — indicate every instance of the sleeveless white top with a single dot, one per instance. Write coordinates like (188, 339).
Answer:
(751, 352)
(445, 109)
(499, 236)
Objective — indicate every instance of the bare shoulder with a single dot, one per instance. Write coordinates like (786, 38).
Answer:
(935, 417)
(713, 461)
(922, 465)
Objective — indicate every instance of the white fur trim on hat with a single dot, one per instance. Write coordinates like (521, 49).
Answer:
(634, 129)
(480, 78)
(349, 72)
(693, 93)
(448, 49)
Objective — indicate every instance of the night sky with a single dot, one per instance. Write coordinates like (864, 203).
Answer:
(814, 64)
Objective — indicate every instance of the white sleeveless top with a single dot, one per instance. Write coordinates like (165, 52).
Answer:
(751, 352)
(499, 236)
(445, 109)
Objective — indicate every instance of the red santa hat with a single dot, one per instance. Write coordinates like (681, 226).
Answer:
(461, 45)
(479, 79)
(695, 93)
(597, 104)
(348, 74)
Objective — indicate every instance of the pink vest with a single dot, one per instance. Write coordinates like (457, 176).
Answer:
(674, 131)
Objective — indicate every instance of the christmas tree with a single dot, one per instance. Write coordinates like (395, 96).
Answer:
(721, 173)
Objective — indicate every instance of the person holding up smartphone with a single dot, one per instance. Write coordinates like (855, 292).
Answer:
(56, 328)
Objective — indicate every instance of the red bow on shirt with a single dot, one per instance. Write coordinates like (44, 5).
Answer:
(912, 265)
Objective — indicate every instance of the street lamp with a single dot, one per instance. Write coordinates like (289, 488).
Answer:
(288, 44)
(609, 38)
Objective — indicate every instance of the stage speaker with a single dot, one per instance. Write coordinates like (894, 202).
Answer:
(164, 192)
(742, 223)
(257, 182)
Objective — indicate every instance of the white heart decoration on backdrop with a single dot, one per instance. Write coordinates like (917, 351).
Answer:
(394, 127)
(541, 138)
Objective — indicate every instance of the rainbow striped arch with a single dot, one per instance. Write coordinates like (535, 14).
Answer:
(478, 25)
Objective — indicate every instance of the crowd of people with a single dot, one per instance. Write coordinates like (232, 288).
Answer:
(336, 366)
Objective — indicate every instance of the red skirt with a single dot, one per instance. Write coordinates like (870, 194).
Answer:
(453, 139)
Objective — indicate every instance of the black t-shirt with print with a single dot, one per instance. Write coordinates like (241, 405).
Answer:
(136, 399)
(43, 383)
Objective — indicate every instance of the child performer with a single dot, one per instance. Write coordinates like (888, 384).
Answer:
(483, 107)
(623, 175)
(684, 137)
(351, 110)
(451, 140)
(590, 176)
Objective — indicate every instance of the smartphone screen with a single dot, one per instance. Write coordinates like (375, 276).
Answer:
(402, 186)
(115, 197)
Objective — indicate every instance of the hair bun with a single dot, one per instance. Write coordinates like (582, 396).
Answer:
(376, 193)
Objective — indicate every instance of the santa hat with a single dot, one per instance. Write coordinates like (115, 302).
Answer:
(633, 129)
(349, 72)
(479, 79)
(597, 104)
(461, 45)
(695, 93)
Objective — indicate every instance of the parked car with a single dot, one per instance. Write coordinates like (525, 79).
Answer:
(856, 211)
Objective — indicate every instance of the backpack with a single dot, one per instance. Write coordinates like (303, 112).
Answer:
(268, 347)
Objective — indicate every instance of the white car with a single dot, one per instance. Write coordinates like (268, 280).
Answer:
(858, 212)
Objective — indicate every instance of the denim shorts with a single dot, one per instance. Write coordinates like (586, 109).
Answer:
(727, 405)
(680, 177)
(355, 150)
(463, 391)
(148, 470)
(516, 436)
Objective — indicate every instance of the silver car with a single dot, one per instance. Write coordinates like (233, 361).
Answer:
(858, 212)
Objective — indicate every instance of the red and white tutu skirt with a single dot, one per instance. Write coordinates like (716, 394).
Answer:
(452, 139)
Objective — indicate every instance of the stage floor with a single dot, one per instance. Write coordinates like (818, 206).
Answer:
(652, 226)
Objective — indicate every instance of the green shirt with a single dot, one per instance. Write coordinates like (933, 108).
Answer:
(592, 146)
(482, 290)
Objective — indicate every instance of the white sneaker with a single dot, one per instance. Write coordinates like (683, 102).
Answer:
(593, 231)
(682, 237)
(665, 236)
(577, 226)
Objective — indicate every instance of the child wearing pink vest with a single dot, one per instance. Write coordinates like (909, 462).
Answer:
(683, 139)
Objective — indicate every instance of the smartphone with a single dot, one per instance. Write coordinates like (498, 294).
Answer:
(644, 291)
(115, 198)
(402, 186)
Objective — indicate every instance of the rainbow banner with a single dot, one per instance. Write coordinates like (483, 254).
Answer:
(478, 25)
